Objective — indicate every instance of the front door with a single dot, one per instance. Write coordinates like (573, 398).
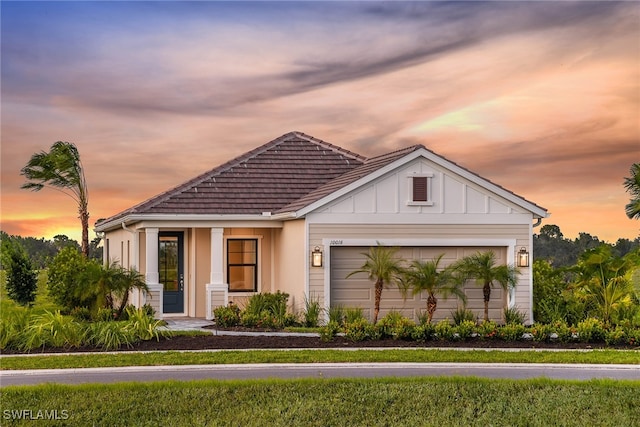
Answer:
(171, 271)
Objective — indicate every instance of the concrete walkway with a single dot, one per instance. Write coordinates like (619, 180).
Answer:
(194, 324)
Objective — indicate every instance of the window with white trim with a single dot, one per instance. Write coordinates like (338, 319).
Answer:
(420, 189)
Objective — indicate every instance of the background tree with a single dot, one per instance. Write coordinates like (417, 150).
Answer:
(61, 169)
(482, 267)
(22, 279)
(382, 267)
(632, 186)
(427, 276)
(605, 281)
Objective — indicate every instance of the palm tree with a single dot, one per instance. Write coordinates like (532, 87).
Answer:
(605, 281)
(382, 267)
(632, 186)
(427, 276)
(482, 267)
(61, 169)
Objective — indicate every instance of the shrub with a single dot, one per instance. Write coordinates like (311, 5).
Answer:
(142, 326)
(336, 314)
(513, 315)
(465, 330)
(358, 330)
(353, 314)
(65, 278)
(462, 314)
(423, 317)
(423, 332)
(615, 336)
(110, 335)
(227, 316)
(443, 330)
(487, 330)
(105, 315)
(51, 330)
(329, 331)
(591, 330)
(13, 322)
(266, 310)
(312, 311)
(22, 280)
(396, 326)
(511, 331)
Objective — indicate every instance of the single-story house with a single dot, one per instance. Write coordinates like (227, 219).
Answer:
(296, 215)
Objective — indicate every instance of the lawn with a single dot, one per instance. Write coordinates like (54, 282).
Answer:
(343, 402)
(316, 356)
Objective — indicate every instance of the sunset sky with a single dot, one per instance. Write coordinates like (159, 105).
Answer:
(541, 98)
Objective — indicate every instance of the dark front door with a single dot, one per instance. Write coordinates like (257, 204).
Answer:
(171, 271)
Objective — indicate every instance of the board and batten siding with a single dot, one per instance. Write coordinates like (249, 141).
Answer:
(468, 237)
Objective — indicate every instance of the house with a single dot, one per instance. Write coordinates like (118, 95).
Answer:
(296, 214)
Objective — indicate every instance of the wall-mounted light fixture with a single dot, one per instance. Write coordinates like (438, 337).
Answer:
(523, 258)
(316, 257)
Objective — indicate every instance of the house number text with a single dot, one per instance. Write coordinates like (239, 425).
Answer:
(335, 242)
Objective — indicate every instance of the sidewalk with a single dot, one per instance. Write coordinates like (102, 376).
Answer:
(193, 324)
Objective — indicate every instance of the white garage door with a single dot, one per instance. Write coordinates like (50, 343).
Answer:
(357, 290)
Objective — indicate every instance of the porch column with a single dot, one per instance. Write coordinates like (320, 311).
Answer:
(152, 275)
(217, 290)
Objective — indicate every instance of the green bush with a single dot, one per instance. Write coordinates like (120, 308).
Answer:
(22, 279)
(423, 332)
(105, 315)
(465, 330)
(312, 311)
(591, 330)
(266, 310)
(81, 314)
(227, 316)
(51, 330)
(353, 314)
(358, 330)
(443, 330)
(511, 331)
(13, 322)
(336, 314)
(487, 330)
(615, 335)
(110, 335)
(396, 326)
(329, 331)
(142, 326)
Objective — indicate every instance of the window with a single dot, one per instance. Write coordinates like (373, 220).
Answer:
(242, 265)
(420, 189)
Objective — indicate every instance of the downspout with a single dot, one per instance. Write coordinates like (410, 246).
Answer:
(534, 225)
(538, 222)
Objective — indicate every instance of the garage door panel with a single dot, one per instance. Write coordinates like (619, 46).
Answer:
(358, 290)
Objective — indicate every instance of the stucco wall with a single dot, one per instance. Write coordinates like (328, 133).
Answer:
(290, 258)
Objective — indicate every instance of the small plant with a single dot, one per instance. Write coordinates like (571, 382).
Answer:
(110, 335)
(615, 336)
(465, 330)
(513, 315)
(82, 314)
(487, 330)
(312, 311)
(462, 314)
(329, 331)
(444, 330)
(423, 332)
(358, 330)
(396, 326)
(591, 330)
(105, 315)
(511, 331)
(336, 314)
(142, 326)
(227, 316)
(353, 314)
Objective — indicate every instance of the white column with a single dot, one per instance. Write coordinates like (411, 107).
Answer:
(152, 275)
(217, 290)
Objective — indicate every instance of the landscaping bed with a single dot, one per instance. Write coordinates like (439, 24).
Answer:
(235, 342)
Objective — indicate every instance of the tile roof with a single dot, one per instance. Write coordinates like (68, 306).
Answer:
(263, 180)
(284, 175)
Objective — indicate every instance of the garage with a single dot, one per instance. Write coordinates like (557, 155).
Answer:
(358, 290)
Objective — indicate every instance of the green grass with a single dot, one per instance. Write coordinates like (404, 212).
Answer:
(315, 356)
(336, 402)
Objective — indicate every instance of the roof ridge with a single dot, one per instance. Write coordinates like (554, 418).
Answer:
(329, 145)
(409, 149)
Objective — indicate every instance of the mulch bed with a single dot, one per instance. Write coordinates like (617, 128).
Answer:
(220, 342)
